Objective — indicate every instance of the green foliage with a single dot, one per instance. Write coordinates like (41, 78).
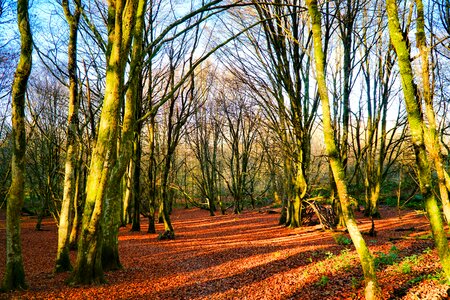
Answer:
(427, 250)
(406, 268)
(313, 254)
(439, 276)
(323, 281)
(386, 259)
(355, 283)
(344, 260)
(321, 192)
(416, 202)
(425, 237)
(276, 205)
(329, 255)
(340, 262)
(391, 201)
(341, 239)
(414, 259)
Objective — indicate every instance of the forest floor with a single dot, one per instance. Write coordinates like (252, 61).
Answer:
(246, 256)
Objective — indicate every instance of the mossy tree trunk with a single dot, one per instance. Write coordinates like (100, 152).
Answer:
(431, 134)
(65, 222)
(372, 290)
(78, 199)
(112, 211)
(127, 181)
(88, 267)
(300, 188)
(14, 277)
(417, 126)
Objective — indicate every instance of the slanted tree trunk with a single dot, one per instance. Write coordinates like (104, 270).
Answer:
(372, 290)
(14, 277)
(417, 126)
(62, 255)
(431, 135)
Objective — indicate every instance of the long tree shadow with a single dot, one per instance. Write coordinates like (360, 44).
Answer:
(215, 286)
(190, 254)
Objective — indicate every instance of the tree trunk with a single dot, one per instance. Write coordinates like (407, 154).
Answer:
(431, 135)
(416, 125)
(300, 189)
(88, 267)
(372, 290)
(65, 221)
(14, 277)
(111, 217)
(168, 228)
(78, 201)
(136, 195)
(127, 195)
(152, 177)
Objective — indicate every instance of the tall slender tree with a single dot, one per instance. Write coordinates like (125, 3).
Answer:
(14, 277)
(64, 228)
(417, 126)
(431, 135)
(111, 219)
(372, 290)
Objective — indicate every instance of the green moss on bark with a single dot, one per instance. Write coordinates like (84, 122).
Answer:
(63, 262)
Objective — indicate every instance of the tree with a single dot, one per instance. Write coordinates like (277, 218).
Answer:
(62, 256)
(347, 18)
(417, 127)
(179, 108)
(378, 145)
(204, 141)
(14, 274)
(239, 133)
(88, 267)
(44, 145)
(111, 218)
(372, 290)
(281, 82)
(431, 135)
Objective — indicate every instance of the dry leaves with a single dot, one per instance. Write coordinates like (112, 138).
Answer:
(245, 256)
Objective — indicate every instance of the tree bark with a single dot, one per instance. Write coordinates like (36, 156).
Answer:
(14, 277)
(372, 290)
(88, 267)
(416, 125)
(431, 135)
(111, 220)
(65, 222)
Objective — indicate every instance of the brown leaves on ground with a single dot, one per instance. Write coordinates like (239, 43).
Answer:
(245, 256)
